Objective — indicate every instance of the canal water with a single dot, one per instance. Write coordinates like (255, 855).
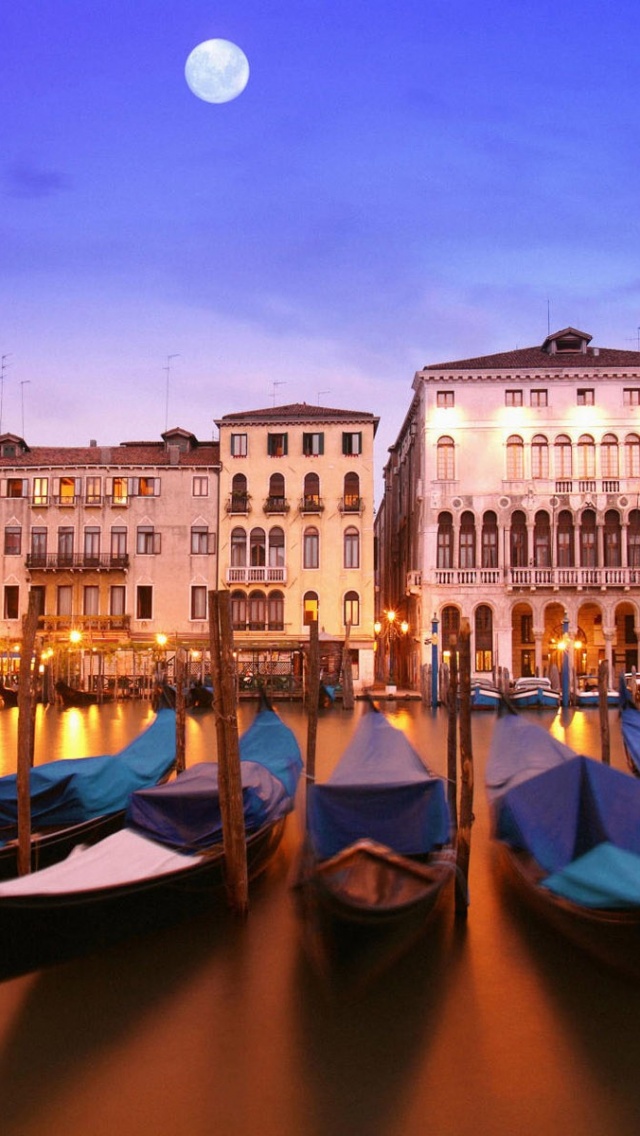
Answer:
(219, 1027)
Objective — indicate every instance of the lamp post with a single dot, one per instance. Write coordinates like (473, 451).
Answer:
(75, 637)
(565, 661)
(434, 660)
(388, 630)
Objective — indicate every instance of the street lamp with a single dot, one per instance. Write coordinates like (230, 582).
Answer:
(388, 630)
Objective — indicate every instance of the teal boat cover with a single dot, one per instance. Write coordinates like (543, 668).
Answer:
(380, 790)
(578, 818)
(73, 790)
(185, 813)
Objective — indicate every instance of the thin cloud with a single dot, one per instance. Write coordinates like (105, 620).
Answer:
(28, 181)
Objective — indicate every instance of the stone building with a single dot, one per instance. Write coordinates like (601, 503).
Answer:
(512, 498)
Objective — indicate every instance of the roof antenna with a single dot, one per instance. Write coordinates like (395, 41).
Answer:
(277, 383)
(548, 317)
(3, 367)
(166, 399)
(23, 383)
(322, 392)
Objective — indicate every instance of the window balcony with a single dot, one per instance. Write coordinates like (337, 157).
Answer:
(531, 578)
(351, 504)
(79, 561)
(238, 503)
(276, 505)
(87, 624)
(263, 574)
(311, 504)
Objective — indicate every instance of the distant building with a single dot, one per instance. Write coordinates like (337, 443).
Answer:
(296, 537)
(512, 498)
(118, 542)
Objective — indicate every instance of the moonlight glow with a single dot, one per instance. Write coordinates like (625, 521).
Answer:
(217, 71)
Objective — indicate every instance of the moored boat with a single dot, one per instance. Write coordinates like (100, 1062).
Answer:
(534, 693)
(72, 696)
(630, 727)
(165, 864)
(568, 840)
(485, 695)
(587, 695)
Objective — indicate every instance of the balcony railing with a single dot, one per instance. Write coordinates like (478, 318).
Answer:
(57, 561)
(87, 624)
(257, 575)
(276, 505)
(311, 504)
(238, 503)
(553, 578)
(350, 504)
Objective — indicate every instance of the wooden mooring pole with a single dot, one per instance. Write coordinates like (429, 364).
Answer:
(452, 738)
(603, 707)
(181, 725)
(466, 772)
(25, 734)
(313, 697)
(229, 772)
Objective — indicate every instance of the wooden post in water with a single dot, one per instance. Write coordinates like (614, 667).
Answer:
(466, 771)
(347, 674)
(181, 727)
(603, 707)
(452, 737)
(25, 696)
(313, 696)
(229, 772)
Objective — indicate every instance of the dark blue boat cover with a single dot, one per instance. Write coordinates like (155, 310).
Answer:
(379, 790)
(630, 725)
(185, 813)
(73, 790)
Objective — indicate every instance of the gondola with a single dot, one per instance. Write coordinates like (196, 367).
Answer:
(378, 852)
(70, 696)
(567, 839)
(165, 864)
(535, 694)
(9, 696)
(76, 800)
(630, 726)
(485, 695)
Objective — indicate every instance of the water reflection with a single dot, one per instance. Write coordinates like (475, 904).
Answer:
(223, 1027)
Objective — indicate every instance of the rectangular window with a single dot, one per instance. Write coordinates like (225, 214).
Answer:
(484, 660)
(310, 609)
(526, 628)
(11, 601)
(277, 445)
(312, 444)
(311, 549)
(91, 599)
(631, 396)
(513, 398)
(15, 487)
(38, 547)
(65, 546)
(144, 601)
(117, 599)
(92, 545)
(40, 491)
(352, 443)
(118, 543)
(239, 446)
(586, 397)
(93, 491)
(198, 602)
(200, 487)
(64, 599)
(539, 398)
(145, 487)
(120, 491)
(446, 399)
(202, 541)
(12, 540)
(66, 490)
(147, 541)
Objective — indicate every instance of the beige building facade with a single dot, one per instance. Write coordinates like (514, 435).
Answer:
(512, 499)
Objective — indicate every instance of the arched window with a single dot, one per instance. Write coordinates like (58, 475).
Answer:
(351, 492)
(257, 611)
(542, 540)
(519, 540)
(632, 455)
(565, 540)
(311, 491)
(586, 456)
(489, 540)
(310, 607)
(515, 458)
(352, 609)
(276, 501)
(238, 611)
(257, 548)
(238, 548)
(562, 456)
(276, 611)
(633, 539)
(539, 456)
(484, 638)
(276, 547)
(239, 498)
(450, 629)
(351, 548)
(467, 541)
(445, 541)
(588, 546)
(311, 548)
(446, 459)
(612, 539)
(609, 463)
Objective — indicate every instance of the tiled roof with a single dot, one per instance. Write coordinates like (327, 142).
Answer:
(298, 412)
(127, 455)
(534, 358)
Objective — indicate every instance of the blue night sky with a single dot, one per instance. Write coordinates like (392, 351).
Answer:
(399, 184)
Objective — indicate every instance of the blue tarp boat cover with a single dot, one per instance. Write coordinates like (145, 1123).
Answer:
(630, 724)
(379, 790)
(571, 817)
(185, 813)
(73, 790)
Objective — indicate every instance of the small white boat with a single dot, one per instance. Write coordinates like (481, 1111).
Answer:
(535, 692)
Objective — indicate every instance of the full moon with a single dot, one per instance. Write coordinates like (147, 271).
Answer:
(217, 71)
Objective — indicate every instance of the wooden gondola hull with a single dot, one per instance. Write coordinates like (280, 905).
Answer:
(611, 937)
